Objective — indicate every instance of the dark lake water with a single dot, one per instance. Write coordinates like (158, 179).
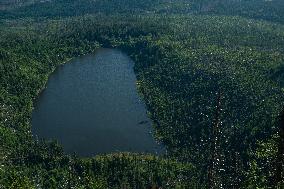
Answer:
(91, 106)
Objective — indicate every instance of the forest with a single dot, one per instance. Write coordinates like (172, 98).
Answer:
(210, 72)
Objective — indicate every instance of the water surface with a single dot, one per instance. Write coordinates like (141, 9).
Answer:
(91, 106)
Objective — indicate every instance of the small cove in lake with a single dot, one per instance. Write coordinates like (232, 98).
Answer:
(91, 106)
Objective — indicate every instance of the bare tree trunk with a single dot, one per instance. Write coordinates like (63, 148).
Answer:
(215, 156)
(280, 153)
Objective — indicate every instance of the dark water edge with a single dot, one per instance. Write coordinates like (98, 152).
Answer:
(91, 106)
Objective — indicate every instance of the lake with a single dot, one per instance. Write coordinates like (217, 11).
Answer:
(91, 106)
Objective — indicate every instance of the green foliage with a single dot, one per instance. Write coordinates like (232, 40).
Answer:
(181, 63)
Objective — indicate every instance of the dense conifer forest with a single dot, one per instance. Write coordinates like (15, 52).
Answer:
(210, 72)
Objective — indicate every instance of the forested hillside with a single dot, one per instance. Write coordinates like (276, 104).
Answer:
(256, 9)
(210, 72)
(12, 4)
